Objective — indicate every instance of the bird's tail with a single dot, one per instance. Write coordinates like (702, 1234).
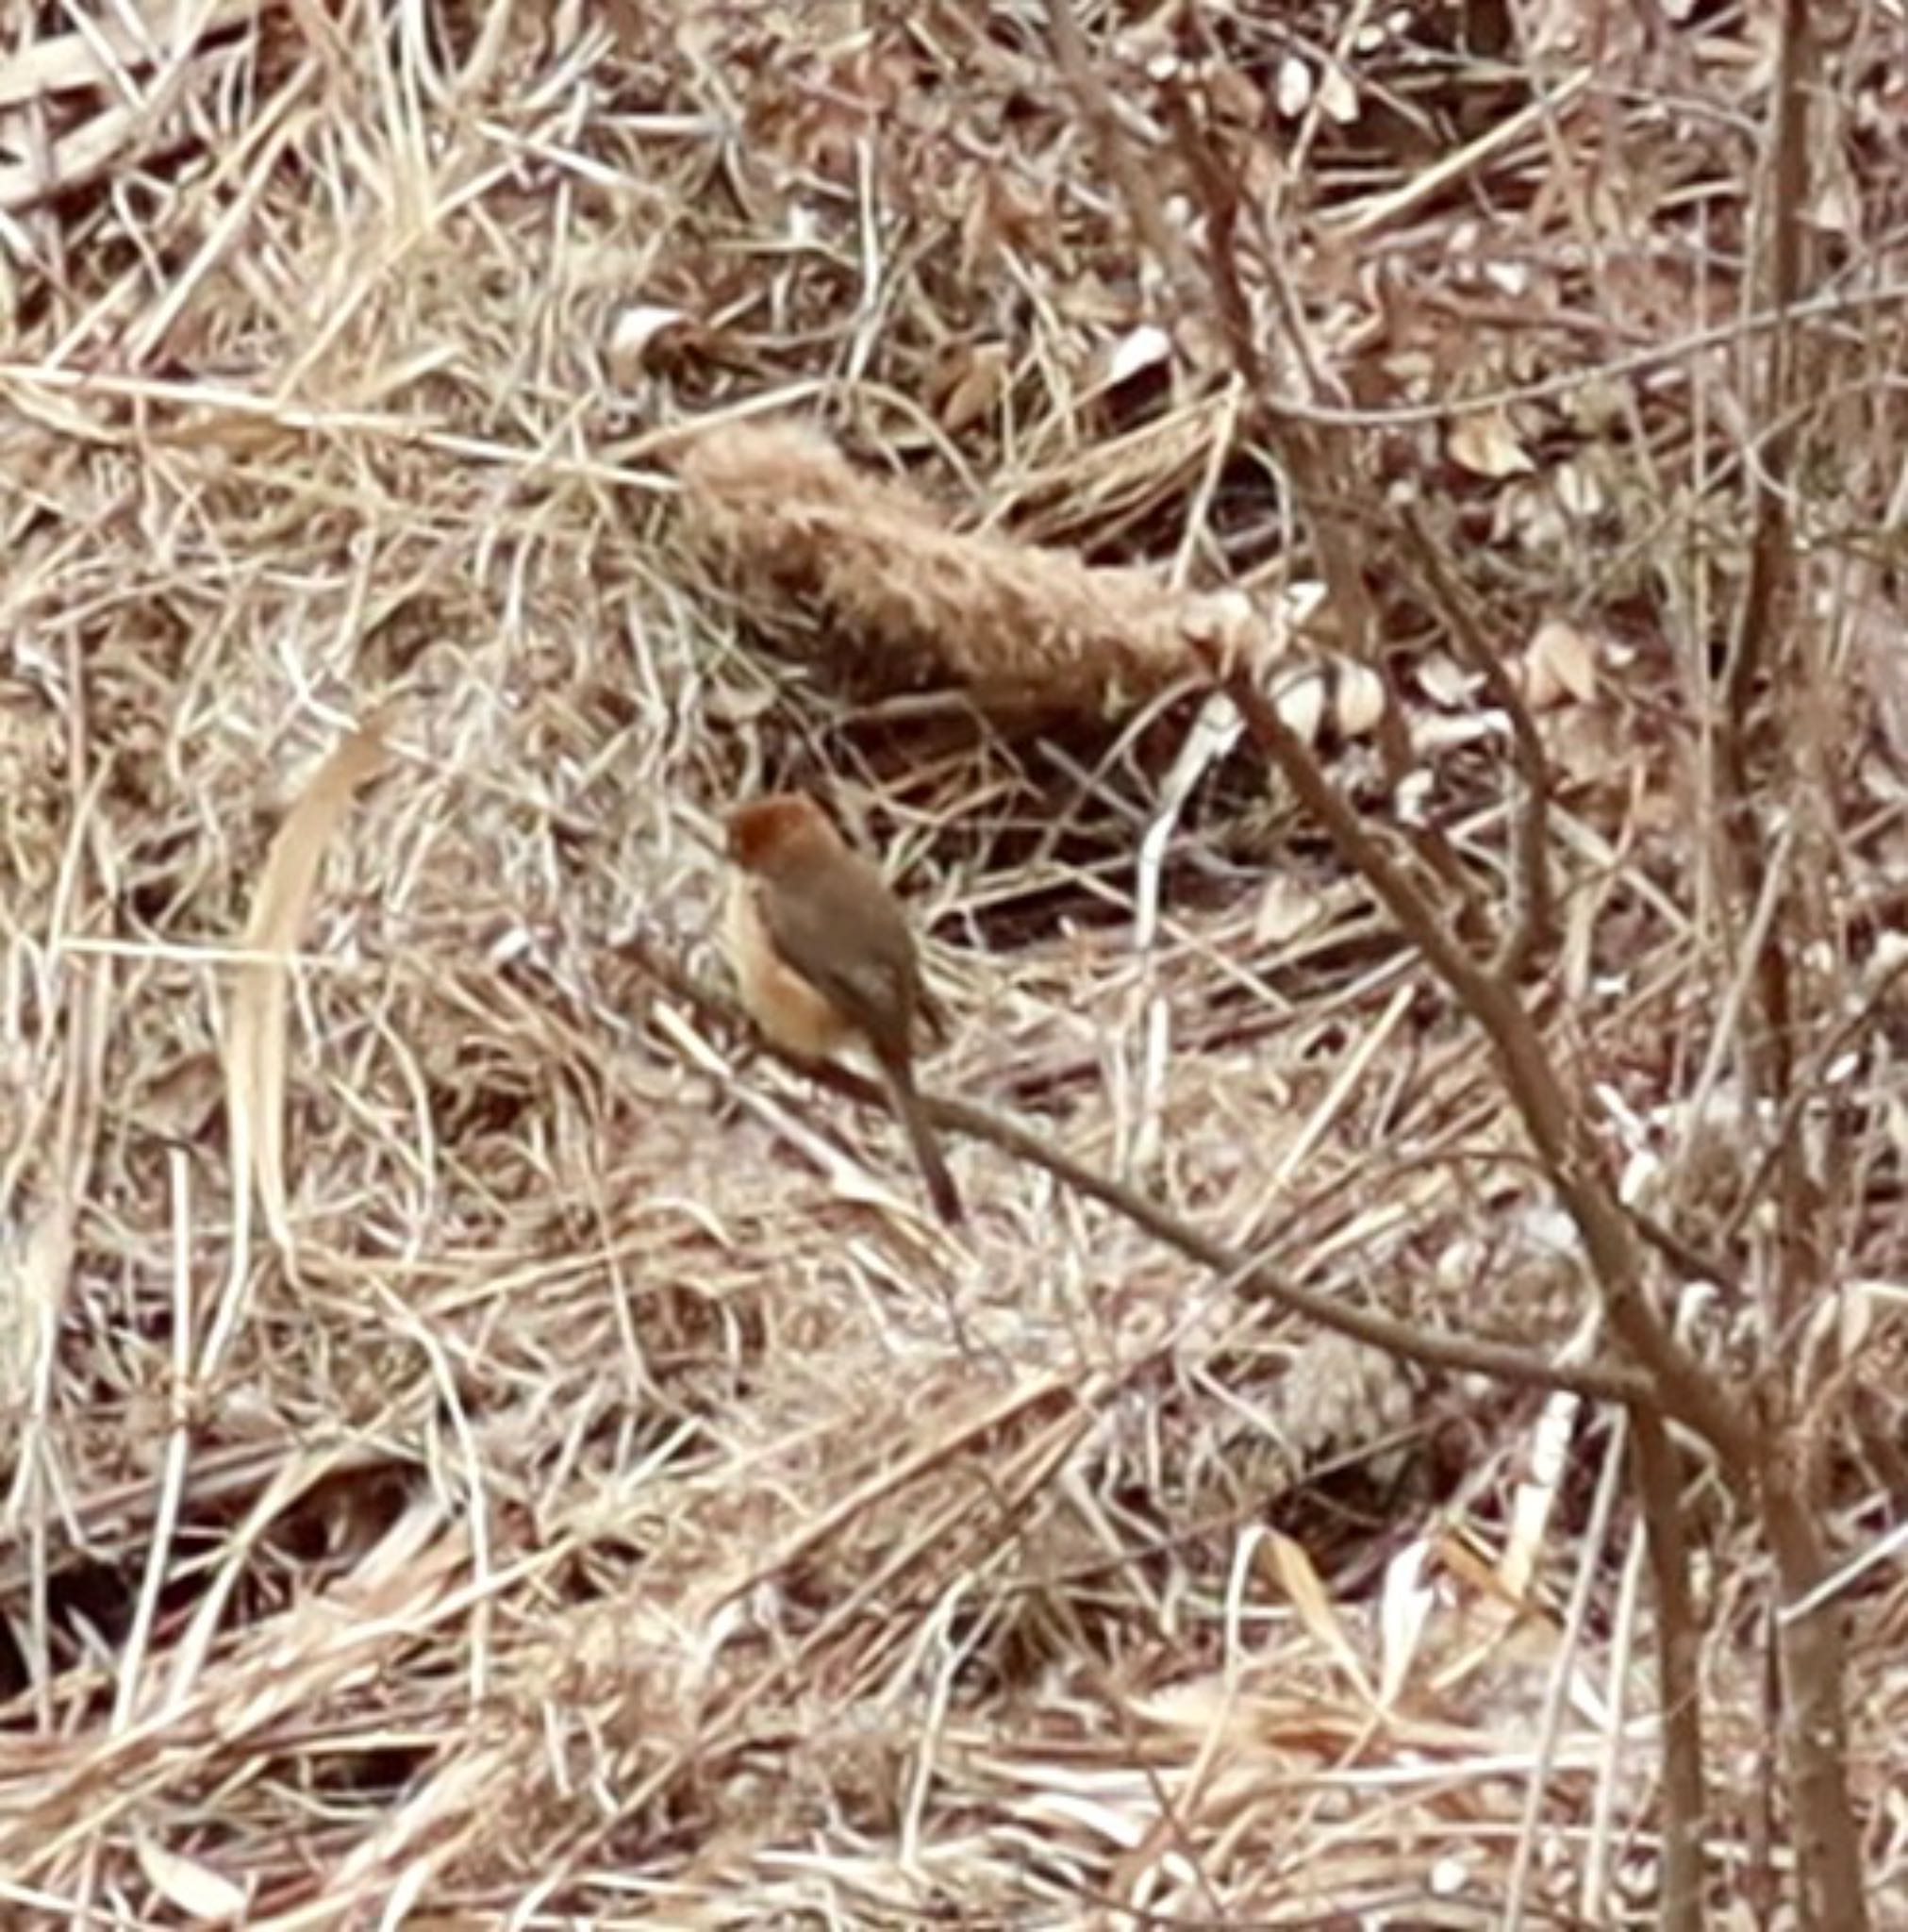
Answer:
(923, 1139)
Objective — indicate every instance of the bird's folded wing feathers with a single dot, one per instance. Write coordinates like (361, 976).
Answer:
(871, 980)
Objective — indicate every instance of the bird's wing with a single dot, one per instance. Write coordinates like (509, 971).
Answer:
(854, 947)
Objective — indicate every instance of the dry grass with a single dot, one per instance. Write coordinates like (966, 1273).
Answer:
(592, 1485)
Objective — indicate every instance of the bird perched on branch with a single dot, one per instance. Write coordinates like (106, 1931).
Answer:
(822, 952)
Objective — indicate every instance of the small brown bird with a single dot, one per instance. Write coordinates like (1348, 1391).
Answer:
(823, 956)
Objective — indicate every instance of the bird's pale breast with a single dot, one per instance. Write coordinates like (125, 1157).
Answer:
(797, 1017)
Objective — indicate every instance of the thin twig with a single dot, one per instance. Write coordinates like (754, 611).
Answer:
(1659, 1484)
(1531, 925)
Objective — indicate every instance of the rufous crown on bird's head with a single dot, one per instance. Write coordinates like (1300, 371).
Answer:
(763, 826)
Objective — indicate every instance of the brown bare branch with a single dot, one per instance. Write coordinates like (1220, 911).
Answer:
(1251, 1277)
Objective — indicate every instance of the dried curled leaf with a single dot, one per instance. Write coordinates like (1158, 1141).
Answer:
(1360, 705)
(254, 1047)
(1560, 662)
(190, 1885)
(1486, 445)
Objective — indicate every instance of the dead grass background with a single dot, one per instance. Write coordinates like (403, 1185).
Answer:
(615, 1498)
